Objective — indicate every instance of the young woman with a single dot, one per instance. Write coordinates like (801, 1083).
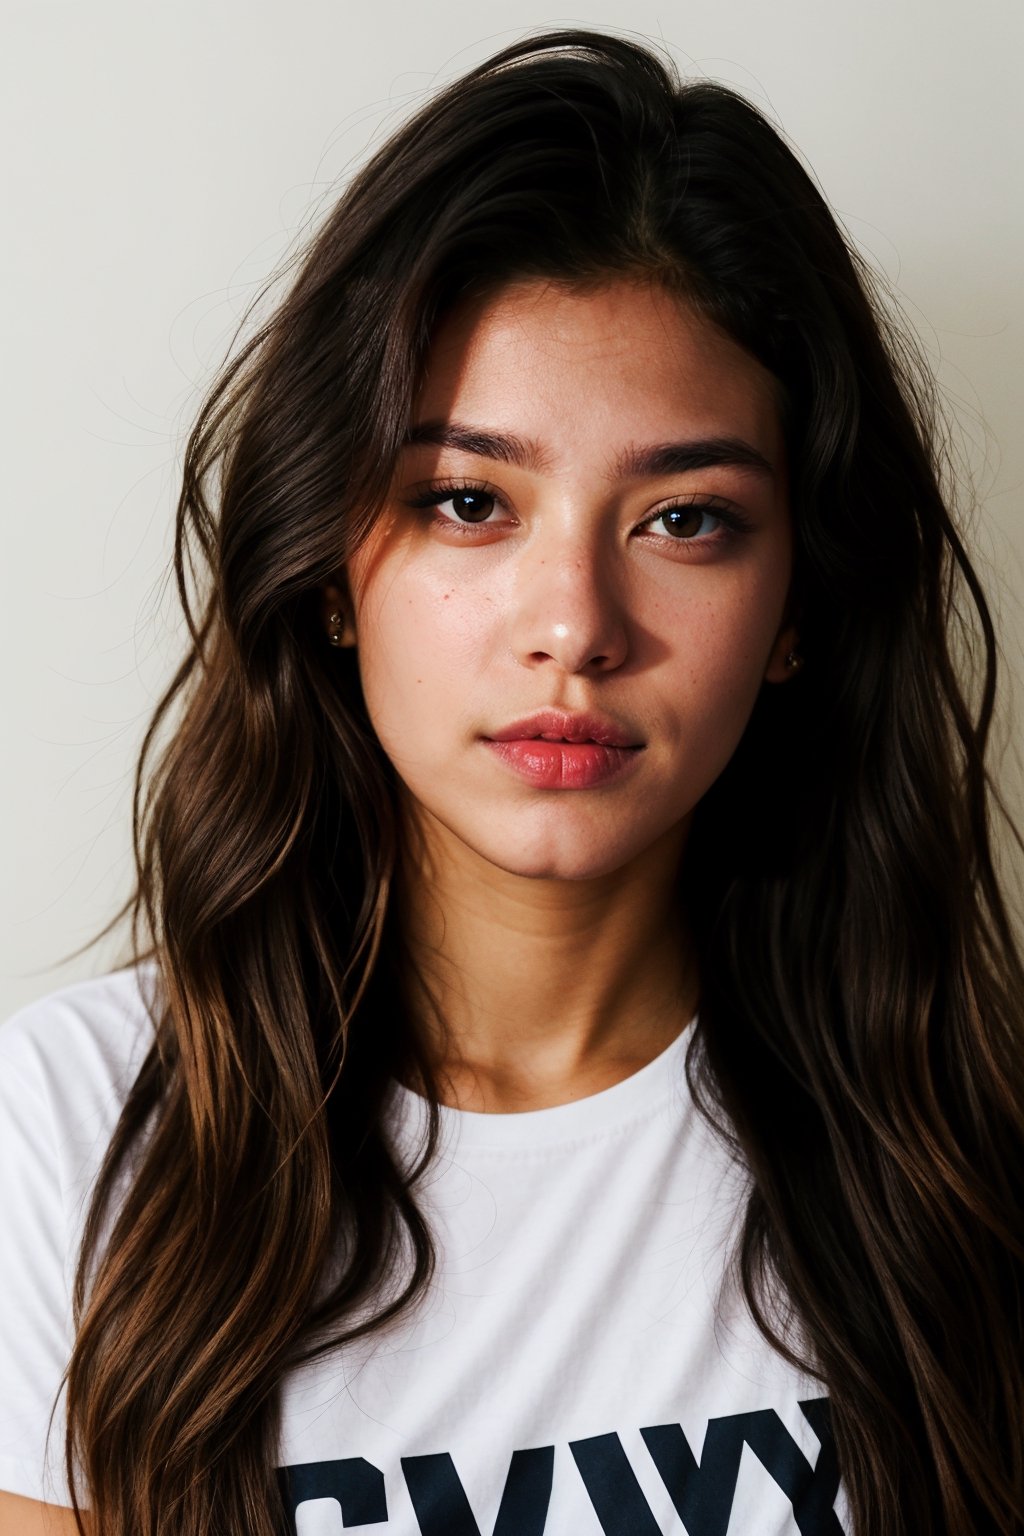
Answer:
(567, 1077)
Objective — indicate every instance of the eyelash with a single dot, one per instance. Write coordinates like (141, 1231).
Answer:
(733, 521)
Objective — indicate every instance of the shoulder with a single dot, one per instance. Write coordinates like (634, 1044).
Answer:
(100, 1023)
(67, 1063)
(75, 1052)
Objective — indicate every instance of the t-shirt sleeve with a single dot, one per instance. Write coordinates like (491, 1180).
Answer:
(35, 1310)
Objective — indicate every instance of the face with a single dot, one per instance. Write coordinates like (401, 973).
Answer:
(564, 566)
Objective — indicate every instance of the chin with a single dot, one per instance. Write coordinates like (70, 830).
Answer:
(557, 859)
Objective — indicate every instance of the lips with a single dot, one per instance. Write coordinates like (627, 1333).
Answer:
(576, 729)
(548, 765)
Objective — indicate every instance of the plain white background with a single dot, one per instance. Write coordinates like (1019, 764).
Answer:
(160, 161)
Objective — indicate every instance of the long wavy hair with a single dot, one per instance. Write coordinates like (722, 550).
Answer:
(859, 1042)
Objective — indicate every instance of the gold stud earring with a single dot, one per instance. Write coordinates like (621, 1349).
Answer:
(794, 661)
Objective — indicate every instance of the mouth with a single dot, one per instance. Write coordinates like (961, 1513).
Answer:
(567, 741)
(551, 762)
(563, 728)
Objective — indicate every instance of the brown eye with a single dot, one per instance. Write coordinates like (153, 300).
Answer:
(471, 503)
(469, 514)
(683, 520)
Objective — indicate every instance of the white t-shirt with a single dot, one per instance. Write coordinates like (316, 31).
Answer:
(582, 1364)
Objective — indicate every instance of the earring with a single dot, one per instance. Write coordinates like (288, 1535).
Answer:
(334, 635)
(794, 661)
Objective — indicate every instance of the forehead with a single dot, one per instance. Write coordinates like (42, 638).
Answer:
(625, 356)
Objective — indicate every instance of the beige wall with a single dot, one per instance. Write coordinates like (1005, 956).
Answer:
(159, 160)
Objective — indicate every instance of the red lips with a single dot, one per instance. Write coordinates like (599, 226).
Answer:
(562, 725)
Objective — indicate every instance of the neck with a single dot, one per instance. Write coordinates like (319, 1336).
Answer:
(531, 992)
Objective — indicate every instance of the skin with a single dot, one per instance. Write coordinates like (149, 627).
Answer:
(544, 921)
(28, 1517)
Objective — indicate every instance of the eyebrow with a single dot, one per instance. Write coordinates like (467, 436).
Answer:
(635, 462)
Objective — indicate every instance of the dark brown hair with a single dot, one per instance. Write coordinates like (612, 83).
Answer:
(859, 1041)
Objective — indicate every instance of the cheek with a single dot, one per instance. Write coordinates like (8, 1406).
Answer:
(420, 642)
(720, 646)
(724, 610)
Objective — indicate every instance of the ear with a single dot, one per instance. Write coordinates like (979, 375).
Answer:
(336, 598)
(786, 641)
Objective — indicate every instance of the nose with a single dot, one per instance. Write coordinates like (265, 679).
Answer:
(568, 607)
